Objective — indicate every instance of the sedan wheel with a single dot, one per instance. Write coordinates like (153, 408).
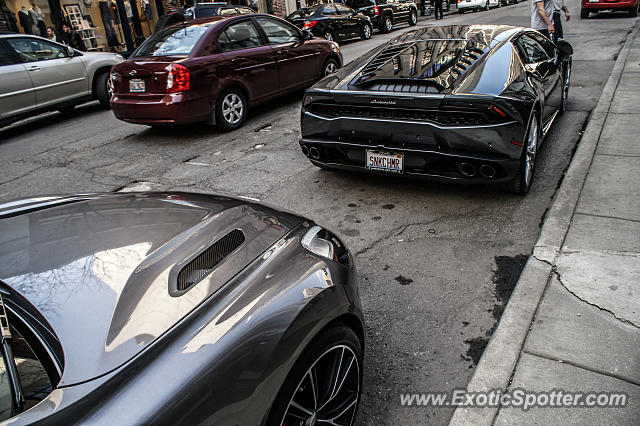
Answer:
(324, 385)
(231, 110)
(413, 18)
(366, 32)
(328, 35)
(330, 67)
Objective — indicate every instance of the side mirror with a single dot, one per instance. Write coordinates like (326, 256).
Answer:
(70, 50)
(307, 35)
(564, 47)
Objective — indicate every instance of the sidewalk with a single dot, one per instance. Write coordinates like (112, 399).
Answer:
(573, 321)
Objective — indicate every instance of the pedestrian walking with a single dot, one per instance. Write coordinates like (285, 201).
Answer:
(541, 15)
(72, 38)
(559, 5)
(437, 5)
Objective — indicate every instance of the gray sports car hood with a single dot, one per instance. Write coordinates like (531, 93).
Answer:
(103, 269)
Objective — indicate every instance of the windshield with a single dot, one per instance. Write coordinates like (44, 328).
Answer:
(304, 13)
(176, 40)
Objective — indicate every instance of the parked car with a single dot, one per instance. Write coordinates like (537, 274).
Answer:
(475, 5)
(214, 69)
(595, 6)
(473, 107)
(38, 75)
(333, 21)
(196, 10)
(175, 308)
(384, 14)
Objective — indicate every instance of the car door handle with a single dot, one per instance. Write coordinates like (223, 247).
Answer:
(34, 68)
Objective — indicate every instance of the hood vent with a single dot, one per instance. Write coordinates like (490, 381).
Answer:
(196, 270)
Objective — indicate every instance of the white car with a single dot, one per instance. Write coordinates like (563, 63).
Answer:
(38, 75)
(475, 5)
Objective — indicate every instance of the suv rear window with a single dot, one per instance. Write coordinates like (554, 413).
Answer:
(176, 40)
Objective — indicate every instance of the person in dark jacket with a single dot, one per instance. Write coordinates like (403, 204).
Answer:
(72, 38)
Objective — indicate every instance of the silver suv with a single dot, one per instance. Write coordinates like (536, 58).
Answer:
(38, 75)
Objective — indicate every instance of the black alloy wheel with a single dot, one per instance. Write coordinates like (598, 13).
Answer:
(522, 183)
(104, 90)
(413, 18)
(366, 31)
(565, 88)
(387, 25)
(330, 66)
(231, 109)
(324, 385)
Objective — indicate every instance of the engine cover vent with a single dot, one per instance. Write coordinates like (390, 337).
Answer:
(196, 270)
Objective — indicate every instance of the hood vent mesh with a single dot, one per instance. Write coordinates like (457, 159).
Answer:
(196, 270)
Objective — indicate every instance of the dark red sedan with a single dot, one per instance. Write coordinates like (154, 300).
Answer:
(213, 69)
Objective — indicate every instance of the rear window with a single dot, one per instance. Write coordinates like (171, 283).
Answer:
(206, 11)
(303, 13)
(177, 40)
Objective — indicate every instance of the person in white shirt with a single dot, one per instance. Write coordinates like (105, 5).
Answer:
(541, 15)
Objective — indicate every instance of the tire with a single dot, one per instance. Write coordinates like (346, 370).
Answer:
(336, 353)
(328, 35)
(522, 183)
(103, 91)
(584, 14)
(460, 11)
(633, 12)
(413, 18)
(366, 31)
(486, 5)
(329, 67)
(566, 80)
(387, 25)
(231, 109)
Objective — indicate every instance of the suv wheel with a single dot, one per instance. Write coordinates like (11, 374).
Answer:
(103, 91)
(328, 35)
(413, 18)
(386, 24)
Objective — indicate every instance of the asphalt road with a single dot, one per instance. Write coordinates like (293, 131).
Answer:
(436, 261)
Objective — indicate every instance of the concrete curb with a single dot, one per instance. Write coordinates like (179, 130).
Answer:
(496, 367)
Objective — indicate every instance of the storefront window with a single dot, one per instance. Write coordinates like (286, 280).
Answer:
(97, 21)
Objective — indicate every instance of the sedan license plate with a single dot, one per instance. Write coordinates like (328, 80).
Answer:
(136, 85)
(384, 161)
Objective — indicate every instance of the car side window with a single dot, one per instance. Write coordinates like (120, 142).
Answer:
(32, 50)
(545, 43)
(34, 380)
(228, 11)
(278, 32)
(530, 50)
(342, 9)
(329, 11)
(6, 57)
(239, 35)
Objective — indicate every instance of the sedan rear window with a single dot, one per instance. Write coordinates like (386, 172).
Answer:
(172, 41)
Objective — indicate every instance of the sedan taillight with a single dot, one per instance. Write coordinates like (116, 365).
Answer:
(309, 24)
(178, 78)
(376, 10)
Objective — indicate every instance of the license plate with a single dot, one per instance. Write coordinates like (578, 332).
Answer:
(136, 85)
(594, 1)
(384, 161)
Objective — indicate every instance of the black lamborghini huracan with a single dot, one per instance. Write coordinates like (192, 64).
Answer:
(460, 103)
